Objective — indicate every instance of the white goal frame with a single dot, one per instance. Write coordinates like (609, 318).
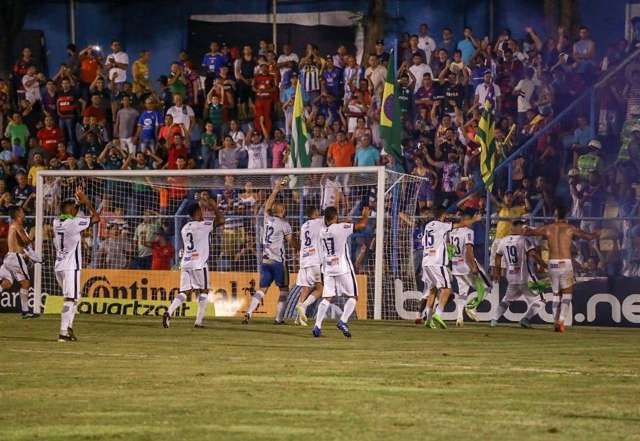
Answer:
(379, 171)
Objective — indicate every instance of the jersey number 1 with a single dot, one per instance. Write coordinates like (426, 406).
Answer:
(61, 240)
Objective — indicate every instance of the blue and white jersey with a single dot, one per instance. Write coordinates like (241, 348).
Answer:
(274, 233)
(195, 239)
(309, 238)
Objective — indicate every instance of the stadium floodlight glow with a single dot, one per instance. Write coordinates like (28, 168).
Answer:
(128, 199)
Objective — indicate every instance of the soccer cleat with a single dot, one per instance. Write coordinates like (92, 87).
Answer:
(26, 315)
(302, 316)
(166, 320)
(34, 316)
(278, 322)
(198, 326)
(245, 319)
(418, 321)
(471, 313)
(64, 338)
(316, 332)
(524, 323)
(342, 326)
(430, 324)
(439, 322)
(559, 327)
(493, 323)
(71, 335)
(459, 322)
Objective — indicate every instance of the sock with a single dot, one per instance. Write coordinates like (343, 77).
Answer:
(308, 302)
(565, 305)
(177, 301)
(555, 306)
(74, 311)
(502, 308)
(349, 307)
(438, 310)
(460, 301)
(322, 311)
(202, 307)
(282, 302)
(255, 301)
(24, 300)
(428, 313)
(65, 316)
(533, 309)
(422, 307)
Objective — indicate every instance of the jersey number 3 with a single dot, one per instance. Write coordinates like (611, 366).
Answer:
(190, 245)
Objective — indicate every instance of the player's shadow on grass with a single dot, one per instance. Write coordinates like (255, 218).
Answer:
(34, 339)
(602, 417)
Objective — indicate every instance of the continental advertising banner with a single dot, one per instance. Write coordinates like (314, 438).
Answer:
(149, 293)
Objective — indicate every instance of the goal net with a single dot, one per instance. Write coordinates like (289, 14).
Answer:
(130, 259)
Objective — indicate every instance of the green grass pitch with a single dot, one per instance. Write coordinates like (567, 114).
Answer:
(129, 379)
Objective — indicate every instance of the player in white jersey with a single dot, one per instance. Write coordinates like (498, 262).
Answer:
(194, 271)
(14, 266)
(337, 268)
(67, 231)
(465, 269)
(273, 268)
(516, 252)
(309, 276)
(435, 266)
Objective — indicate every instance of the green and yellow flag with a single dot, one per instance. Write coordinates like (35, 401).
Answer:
(390, 122)
(485, 136)
(298, 154)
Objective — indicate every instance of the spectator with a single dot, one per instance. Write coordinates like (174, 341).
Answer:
(182, 114)
(117, 65)
(366, 154)
(141, 74)
(68, 106)
(229, 155)
(143, 237)
(161, 253)
(125, 126)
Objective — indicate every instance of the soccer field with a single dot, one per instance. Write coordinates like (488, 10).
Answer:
(129, 379)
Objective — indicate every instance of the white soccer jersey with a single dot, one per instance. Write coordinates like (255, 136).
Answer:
(274, 234)
(434, 242)
(309, 237)
(330, 191)
(514, 249)
(195, 240)
(460, 238)
(67, 241)
(334, 249)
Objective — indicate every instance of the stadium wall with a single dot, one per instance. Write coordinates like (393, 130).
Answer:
(161, 26)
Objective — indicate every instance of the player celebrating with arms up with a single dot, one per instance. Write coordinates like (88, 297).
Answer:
(559, 236)
(194, 272)
(337, 268)
(67, 231)
(309, 277)
(273, 267)
(14, 267)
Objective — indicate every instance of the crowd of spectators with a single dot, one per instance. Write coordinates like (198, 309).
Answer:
(233, 109)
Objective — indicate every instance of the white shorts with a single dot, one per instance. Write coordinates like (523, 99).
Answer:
(436, 276)
(516, 290)
(342, 285)
(309, 276)
(194, 279)
(14, 268)
(561, 274)
(467, 282)
(69, 281)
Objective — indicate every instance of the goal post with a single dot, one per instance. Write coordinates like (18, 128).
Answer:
(132, 202)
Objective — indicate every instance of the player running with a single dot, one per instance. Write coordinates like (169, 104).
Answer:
(517, 251)
(309, 277)
(337, 268)
(273, 267)
(559, 236)
(67, 230)
(465, 269)
(435, 265)
(14, 266)
(194, 271)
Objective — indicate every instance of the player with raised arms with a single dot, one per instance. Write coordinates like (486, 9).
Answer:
(273, 268)
(465, 269)
(14, 266)
(309, 276)
(337, 268)
(559, 235)
(67, 230)
(194, 271)
(516, 251)
(435, 265)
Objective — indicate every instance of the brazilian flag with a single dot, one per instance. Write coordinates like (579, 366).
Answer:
(390, 116)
